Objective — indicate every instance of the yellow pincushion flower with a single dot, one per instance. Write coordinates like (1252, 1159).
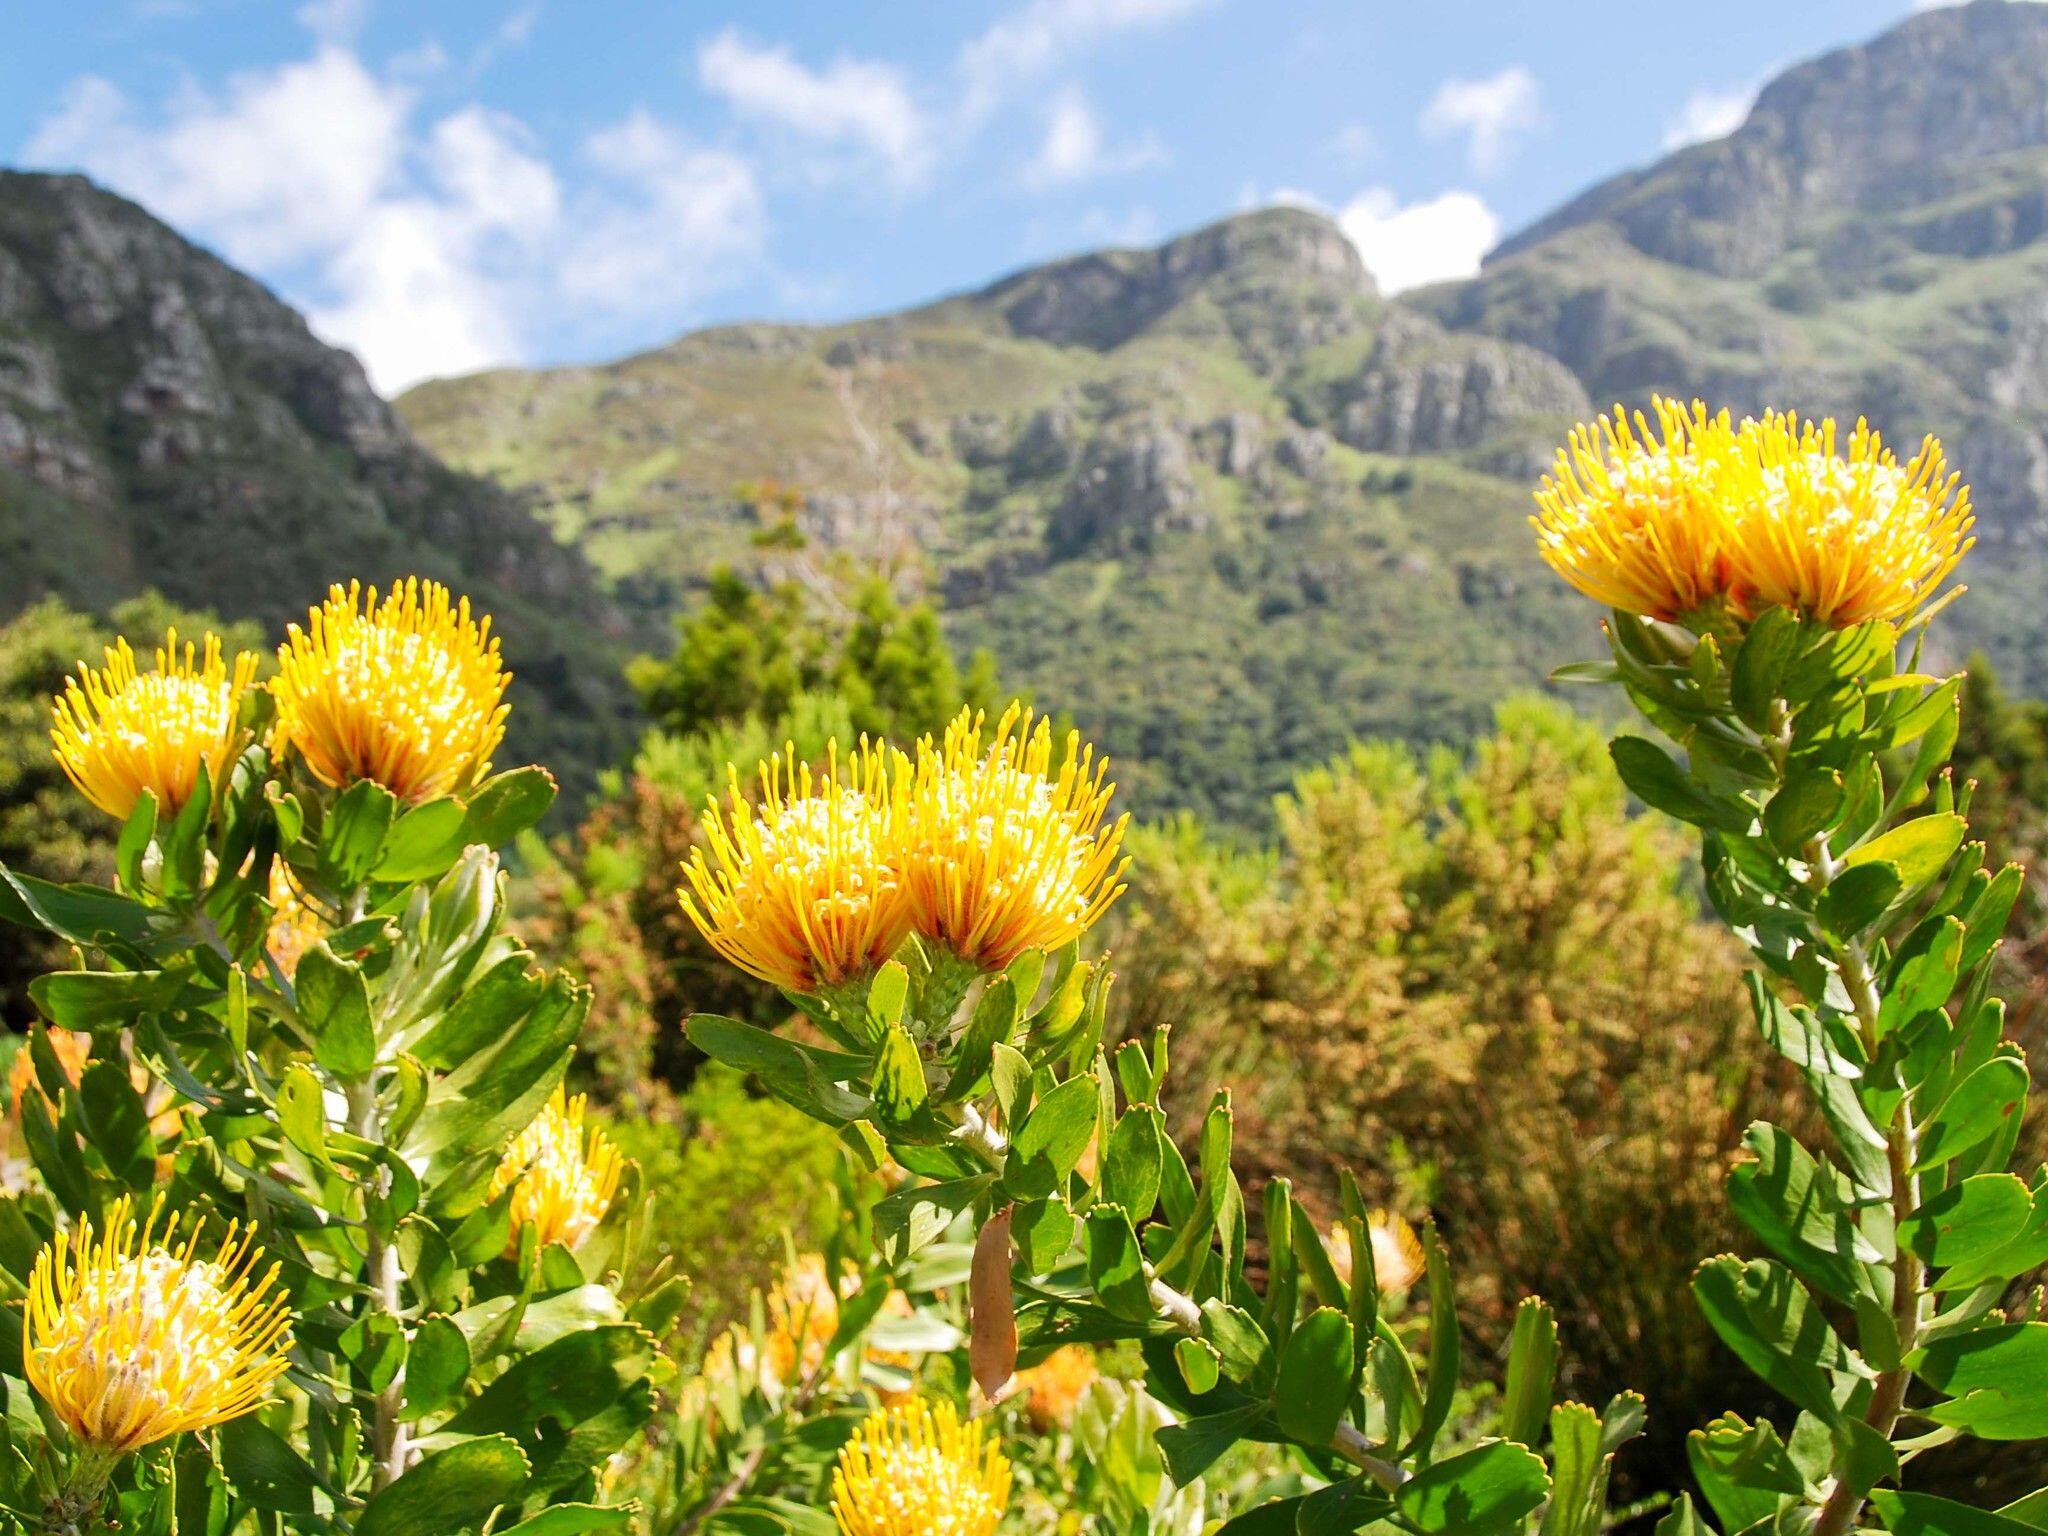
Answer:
(118, 731)
(1638, 518)
(130, 1340)
(799, 891)
(1052, 1388)
(562, 1173)
(918, 1471)
(294, 926)
(1397, 1257)
(1842, 539)
(407, 692)
(996, 854)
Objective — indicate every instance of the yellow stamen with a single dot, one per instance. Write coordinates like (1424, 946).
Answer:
(562, 1173)
(130, 1341)
(918, 1471)
(995, 852)
(118, 731)
(407, 692)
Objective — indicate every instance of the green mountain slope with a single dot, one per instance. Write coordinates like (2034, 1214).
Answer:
(165, 422)
(1230, 506)
(1219, 500)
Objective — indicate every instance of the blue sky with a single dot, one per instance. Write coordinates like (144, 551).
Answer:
(448, 186)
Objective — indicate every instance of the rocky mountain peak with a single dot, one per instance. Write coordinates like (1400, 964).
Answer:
(1274, 280)
(1910, 119)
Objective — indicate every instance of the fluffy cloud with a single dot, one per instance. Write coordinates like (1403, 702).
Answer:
(1708, 114)
(1042, 34)
(1407, 246)
(851, 104)
(1074, 148)
(1492, 115)
(427, 246)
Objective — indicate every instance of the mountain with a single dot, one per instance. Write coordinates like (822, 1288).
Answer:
(1230, 507)
(166, 422)
(1872, 240)
(1219, 500)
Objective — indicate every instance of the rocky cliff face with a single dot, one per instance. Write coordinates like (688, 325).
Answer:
(1873, 240)
(166, 422)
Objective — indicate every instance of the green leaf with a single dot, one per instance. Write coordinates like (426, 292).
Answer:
(1796, 1206)
(1576, 1470)
(1442, 1375)
(1798, 1034)
(1976, 1110)
(569, 1405)
(805, 1077)
(1314, 1383)
(1654, 777)
(1116, 1266)
(1762, 1314)
(1923, 1514)
(89, 1000)
(1916, 850)
(117, 1122)
(335, 1001)
(1246, 1349)
(507, 805)
(898, 1086)
(1743, 1470)
(1758, 675)
(912, 1218)
(1805, 807)
(353, 833)
(1997, 1376)
(1192, 1447)
(1858, 897)
(1043, 1231)
(1201, 1367)
(1531, 1372)
(136, 833)
(1483, 1490)
(1681, 1520)
(448, 1490)
(436, 1366)
(422, 843)
(1968, 1221)
(1049, 1143)
(263, 1469)
(1130, 1170)
(573, 1520)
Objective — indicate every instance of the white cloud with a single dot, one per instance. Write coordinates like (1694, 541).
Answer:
(1074, 148)
(1403, 247)
(1491, 113)
(1354, 142)
(279, 162)
(425, 246)
(334, 21)
(1042, 34)
(851, 103)
(1708, 114)
(685, 211)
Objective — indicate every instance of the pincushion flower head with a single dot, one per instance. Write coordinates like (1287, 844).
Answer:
(1842, 538)
(1636, 516)
(916, 1470)
(798, 890)
(562, 1174)
(407, 691)
(130, 1340)
(119, 731)
(1397, 1257)
(1052, 1389)
(998, 852)
(294, 926)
